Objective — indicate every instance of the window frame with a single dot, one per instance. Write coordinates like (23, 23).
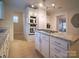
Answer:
(60, 23)
(15, 19)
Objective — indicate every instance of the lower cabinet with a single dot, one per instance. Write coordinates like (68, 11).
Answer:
(58, 48)
(5, 48)
(42, 44)
(45, 45)
(38, 41)
(53, 47)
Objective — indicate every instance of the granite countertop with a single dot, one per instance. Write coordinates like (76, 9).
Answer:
(47, 30)
(69, 37)
(65, 36)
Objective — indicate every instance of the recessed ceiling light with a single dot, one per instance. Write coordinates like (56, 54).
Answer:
(40, 4)
(53, 5)
(32, 6)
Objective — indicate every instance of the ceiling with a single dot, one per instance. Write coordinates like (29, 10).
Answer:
(19, 5)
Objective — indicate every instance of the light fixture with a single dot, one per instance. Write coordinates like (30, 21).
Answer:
(40, 5)
(32, 6)
(53, 5)
(44, 2)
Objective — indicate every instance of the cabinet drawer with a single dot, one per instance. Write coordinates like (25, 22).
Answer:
(45, 45)
(58, 50)
(59, 42)
(45, 48)
(56, 55)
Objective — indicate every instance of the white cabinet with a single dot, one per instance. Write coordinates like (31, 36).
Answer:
(1, 10)
(34, 19)
(38, 41)
(5, 48)
(45, 45)
(42, 44)
(58, 47)
(41, 19)
(30, 22)
(55, 47)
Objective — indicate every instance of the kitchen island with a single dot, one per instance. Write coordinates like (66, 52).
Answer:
(56, 45)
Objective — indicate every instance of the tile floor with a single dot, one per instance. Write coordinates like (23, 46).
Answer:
(23, 49)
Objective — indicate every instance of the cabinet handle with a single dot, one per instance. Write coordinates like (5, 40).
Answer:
(57, 50)
(58, 43)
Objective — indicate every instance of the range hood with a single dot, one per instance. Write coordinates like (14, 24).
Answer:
(1, 10)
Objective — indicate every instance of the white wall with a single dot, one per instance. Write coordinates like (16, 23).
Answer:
(71, 28)
(68, 14)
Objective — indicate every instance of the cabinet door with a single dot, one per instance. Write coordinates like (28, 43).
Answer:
(59, 42)
(37, 41)
(45, 45)
(58, 47)
(41, 19)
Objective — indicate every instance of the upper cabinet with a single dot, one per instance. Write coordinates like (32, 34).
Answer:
(30, 21)
(1, 10)
(42, 18)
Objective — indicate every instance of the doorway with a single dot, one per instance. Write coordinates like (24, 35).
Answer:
(18, 25)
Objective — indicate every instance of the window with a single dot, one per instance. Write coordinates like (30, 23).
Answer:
(15, 19)
(61, 23)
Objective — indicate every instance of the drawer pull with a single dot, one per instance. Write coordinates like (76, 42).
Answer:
(57, 50)
(58, 43)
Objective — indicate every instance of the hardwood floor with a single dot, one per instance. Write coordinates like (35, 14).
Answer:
(19, 36)
(23, 49)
